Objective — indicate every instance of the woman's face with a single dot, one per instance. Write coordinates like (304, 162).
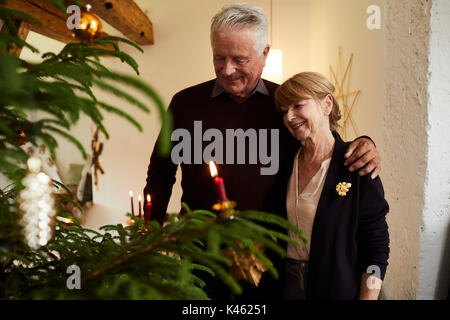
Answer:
(305, 118)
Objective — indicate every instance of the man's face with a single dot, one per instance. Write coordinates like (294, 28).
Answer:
(237, 64)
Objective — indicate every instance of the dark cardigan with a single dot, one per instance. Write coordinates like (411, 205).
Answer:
(349, 233)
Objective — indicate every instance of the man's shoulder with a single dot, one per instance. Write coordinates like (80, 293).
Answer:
(204, 88)
(271, 86)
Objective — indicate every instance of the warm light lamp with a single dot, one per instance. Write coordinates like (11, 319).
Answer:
(90, 26)
(273, 71)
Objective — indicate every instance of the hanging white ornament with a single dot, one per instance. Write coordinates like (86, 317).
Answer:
(37, 205)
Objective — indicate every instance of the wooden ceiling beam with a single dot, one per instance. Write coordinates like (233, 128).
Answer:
(52, 24)
(23, 27)
(125, 16)
(53, 19)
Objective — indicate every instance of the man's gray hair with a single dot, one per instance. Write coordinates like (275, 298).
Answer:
(243, 15)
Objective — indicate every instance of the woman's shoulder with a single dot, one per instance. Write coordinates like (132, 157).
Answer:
(338, 160)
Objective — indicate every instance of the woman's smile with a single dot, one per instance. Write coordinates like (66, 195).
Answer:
(297, 125)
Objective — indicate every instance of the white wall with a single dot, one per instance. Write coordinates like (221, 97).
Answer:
(434, 263)
(405, 115)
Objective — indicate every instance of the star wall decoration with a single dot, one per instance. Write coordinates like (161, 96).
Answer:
(347, 99)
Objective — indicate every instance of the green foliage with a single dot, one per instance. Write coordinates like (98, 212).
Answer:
(62, 87)
(137, 261)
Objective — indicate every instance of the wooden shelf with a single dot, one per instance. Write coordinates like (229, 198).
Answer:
(124, 15)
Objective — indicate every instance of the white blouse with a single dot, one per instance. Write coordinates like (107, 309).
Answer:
(301, 208)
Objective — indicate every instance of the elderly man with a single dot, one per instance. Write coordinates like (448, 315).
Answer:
(237, 99)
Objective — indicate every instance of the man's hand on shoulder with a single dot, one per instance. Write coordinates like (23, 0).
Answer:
(362, 152)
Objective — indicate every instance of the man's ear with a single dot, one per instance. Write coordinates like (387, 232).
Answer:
(266, 53)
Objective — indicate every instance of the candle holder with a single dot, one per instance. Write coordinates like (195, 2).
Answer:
(143, 228)
(246, 266)
(225, 209)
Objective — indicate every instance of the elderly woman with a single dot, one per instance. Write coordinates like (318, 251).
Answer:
(340, 212)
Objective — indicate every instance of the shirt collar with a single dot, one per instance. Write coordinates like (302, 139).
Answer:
(260, 87)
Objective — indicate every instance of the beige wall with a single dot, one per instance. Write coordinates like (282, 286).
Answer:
(343, 23)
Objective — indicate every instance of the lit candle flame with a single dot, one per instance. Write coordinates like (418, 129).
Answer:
(149, 199)
(131, 193)
(139, 198)
(213, 169)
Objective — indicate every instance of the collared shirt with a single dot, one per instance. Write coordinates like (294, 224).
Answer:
(301, 208)
(260, 87)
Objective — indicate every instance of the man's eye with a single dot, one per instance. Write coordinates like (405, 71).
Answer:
(241, 61)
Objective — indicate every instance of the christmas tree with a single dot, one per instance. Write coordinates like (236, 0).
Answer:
(42, 256)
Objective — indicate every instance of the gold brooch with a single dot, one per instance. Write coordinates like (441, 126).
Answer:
(342, 188)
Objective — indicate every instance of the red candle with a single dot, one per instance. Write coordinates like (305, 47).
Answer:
(140, 205)
(218, 183)
(148, 209)
(132, 205)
